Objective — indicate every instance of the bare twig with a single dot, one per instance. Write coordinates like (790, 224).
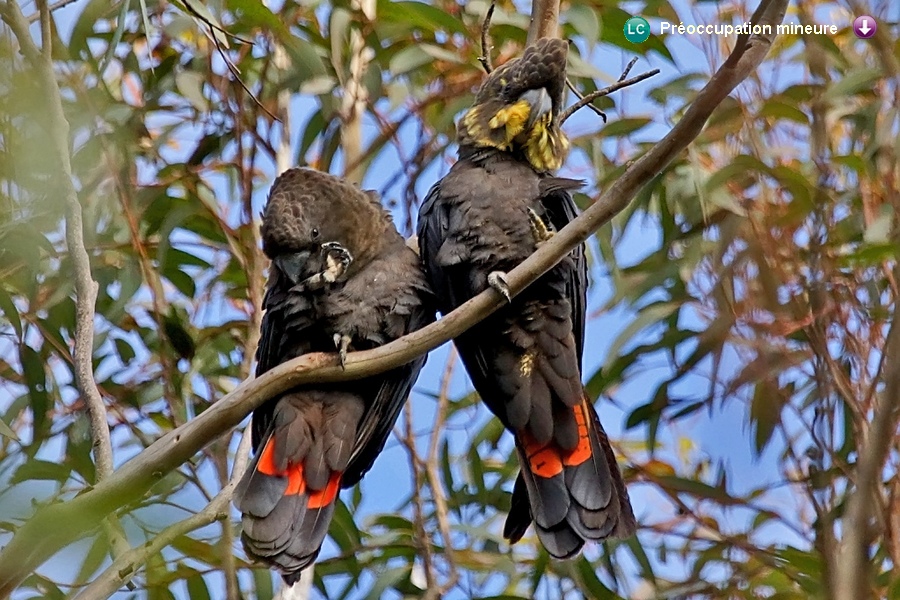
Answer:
(432, 461)
(128, 564)
(485, 58)
(57, 525)
(232, 68)
(544, 20)
(237, 74)
(588, 103)
(628, 68)
(586, 100)
(214, 26)
(850, 581)
(85, 286)
(421, 538)
(55, 6)
(580, 97)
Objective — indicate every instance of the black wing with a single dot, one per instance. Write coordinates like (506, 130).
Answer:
(561, 210)
(378, 420)
(275, 347)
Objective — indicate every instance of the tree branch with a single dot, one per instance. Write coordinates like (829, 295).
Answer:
(55, 6)
(85, 287)
(586, 100)
(127, 565)
(353, 104)
(55, 526)
(544, 20)
(851, 567)
(485, 58)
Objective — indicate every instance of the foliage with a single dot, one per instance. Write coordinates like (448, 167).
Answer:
(741, 308)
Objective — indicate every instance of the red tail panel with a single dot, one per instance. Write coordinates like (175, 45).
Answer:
(582, 451)
(325, 496)
(549, 460)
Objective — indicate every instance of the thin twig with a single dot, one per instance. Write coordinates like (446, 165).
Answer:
(586, 100)
(128, 564)
(421, 539)
(580, 97)
(628, 68)
(55, 6)
(232, 68)
(237, 74)
(849, 581)
(85, 287)
(57, 525)
(194, 12)
(485, 58)
(432, 460)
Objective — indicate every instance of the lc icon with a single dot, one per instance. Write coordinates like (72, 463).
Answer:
(637, 30)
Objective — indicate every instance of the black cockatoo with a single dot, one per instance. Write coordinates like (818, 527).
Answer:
(497, 203)
(342, 278)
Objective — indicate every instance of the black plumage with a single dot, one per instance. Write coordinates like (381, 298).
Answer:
(497, 203)
(342, 278)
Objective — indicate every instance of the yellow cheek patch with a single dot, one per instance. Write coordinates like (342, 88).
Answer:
(512, 117)
(546, 149)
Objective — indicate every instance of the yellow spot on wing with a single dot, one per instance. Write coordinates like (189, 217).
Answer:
(526, 364)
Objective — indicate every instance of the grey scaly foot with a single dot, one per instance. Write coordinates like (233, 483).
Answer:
(337, 260)
(497, 280)
(342, 343)
(539, 229)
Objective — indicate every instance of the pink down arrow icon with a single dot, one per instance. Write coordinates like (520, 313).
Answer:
(864, 27)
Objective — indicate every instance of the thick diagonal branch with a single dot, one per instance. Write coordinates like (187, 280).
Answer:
(53, 527)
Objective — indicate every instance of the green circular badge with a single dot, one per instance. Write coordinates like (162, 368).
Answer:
(637, 30)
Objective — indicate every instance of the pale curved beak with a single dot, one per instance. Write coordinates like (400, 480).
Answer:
(540, 103)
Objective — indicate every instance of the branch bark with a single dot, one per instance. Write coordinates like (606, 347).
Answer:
(544, 20)
(852, 558)
(353, 105)
(55, 526)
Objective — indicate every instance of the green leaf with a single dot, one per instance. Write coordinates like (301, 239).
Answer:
(190, 85)
(93, 558)
(623, 127)
(408, 59)
(253, 13)
(36, 469)
(117, 36)
(851, 83)
(648, 316)
(585, 21)
(196, 587)
(784, 110)
(6, 431)
(12, 313)
(36, 378)
(419, 15)
(262, 580)
(588, 581)
(698, 489)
